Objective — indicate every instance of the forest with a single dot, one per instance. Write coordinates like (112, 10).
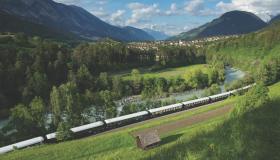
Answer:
(47, 86)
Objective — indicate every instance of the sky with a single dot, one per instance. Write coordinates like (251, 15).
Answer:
(171, 16)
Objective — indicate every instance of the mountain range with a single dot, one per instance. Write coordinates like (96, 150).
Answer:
(50, 19)
(156, 34)
(276, 18)
(230, 23)
(69, 18)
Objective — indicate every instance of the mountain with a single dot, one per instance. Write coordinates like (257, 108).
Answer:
(67, 18)
(276, 18)
(10, 23)
(156, 34)
(230, 23)
(139, 34)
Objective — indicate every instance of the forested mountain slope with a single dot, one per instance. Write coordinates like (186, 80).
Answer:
(68, 18)
(14, 24)
(257, 52)
(230, 23)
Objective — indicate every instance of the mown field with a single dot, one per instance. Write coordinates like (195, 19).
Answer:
(183, 72)
(210, 139)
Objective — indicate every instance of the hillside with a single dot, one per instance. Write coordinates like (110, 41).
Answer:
(230, 23)
(68, 18)
(139, 34)
(211, 139)
(248, 51)
(14, 24)
(274, 19)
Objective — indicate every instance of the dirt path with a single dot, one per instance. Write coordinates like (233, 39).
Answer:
(164, 128)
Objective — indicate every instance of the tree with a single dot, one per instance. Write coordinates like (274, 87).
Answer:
(29, 119)
(109, 106)
(136, 81)
(213, 76)
(38, 112)
(71, 101)
(21, 119)
(37, 85)
(149, 88)
(160, 86)
(254, 98)
(66, 104)
(63, 131)
(84, 79)
(214, 89)
(56, 106)
(103, 81)
(117, 86)
(199, 79)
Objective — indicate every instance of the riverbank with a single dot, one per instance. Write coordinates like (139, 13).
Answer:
(231, 74)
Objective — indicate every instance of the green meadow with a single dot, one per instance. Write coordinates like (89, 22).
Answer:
(169, 73)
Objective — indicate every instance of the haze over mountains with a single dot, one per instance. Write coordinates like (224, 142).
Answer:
(156, 34)
(276, 18)
(69, 18)
(230, 23)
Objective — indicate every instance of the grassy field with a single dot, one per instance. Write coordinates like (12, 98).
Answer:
(183, 72)
(207, 140)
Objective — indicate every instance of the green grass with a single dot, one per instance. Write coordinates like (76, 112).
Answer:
(207, 140)
(183, 72)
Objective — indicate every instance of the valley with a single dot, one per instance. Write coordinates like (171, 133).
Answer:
(81, 79)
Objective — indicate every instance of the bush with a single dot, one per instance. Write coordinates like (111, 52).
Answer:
(63, 131)
(214, 89)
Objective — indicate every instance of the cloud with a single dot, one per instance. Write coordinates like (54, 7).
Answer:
(100, 13)
(169, 29)
(197, 8)
(117, 17)
(173, 10)
(194, 6)
(262, 8)
(141, 12)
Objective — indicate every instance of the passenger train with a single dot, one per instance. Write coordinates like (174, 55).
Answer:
(108, 124)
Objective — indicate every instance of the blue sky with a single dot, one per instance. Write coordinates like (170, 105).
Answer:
(171, 16)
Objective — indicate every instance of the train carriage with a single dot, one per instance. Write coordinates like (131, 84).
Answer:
(196, 102)
(219, 97)
(23, 144)
(127, 119)
(88, 129)
(166, 109)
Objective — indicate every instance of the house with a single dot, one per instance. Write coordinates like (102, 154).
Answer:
(148, 139)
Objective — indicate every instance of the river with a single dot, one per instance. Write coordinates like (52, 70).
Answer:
(231, 75)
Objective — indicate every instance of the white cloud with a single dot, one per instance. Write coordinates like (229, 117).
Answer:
(169, 29)
(141, 12)
(100, 13)
(173, 10)
(197, 8)
(194, 6)
(263, 8)
(117, 17)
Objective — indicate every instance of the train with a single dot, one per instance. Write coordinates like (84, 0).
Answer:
(109, 124)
